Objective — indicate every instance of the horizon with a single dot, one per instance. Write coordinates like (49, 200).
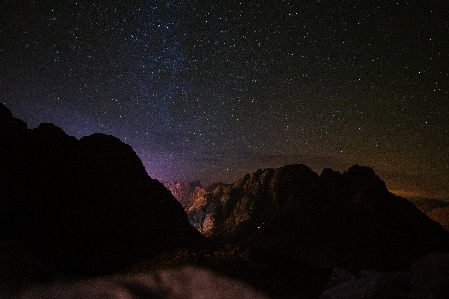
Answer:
(232, 177)
(410, 195)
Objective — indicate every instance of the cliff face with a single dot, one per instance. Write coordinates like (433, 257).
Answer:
(185, 193)
(83, 207)
(253, 199)
(348, 220)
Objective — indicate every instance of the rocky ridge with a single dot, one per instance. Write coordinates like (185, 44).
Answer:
(349, 219)
(185, 193)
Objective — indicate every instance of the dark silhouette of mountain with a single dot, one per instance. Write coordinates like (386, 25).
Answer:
(83, 207)
(347, 220)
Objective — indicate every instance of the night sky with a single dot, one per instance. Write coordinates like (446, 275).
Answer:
(212, 90)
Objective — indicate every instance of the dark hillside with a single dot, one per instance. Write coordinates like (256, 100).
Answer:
(83, 207)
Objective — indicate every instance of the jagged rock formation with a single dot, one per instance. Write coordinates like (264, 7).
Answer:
(83, 207)
(255, 199)
(348, 220)
(185, 193)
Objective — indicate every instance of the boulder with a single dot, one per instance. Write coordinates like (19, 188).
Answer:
(187, 282)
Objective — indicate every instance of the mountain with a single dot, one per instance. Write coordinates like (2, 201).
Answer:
(348, 220)
(185, 193)
(83, 207)
(79, 208)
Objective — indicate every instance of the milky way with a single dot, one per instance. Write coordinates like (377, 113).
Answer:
(211, 90)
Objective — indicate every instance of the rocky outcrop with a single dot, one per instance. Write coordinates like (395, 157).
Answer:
(83, 207)
(186, 193)
(255, 199)
(349, 220)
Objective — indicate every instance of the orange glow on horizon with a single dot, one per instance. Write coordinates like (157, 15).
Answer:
(412, 194)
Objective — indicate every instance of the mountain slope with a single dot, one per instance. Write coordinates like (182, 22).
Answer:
(348, 220)
(83, 207)
(185, 193)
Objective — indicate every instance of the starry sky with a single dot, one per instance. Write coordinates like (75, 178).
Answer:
(212, 90)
